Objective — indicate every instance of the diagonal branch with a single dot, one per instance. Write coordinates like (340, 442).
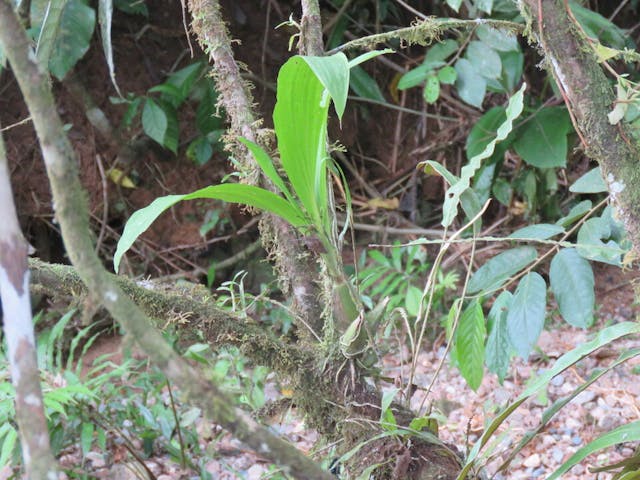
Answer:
(72, 214)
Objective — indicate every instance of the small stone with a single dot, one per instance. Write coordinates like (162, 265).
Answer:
(557, 381)
(538, 472)
(576, 440)
(96, 459)
(164, 477)
(532, 461)
(608, 422)
(584, 397)
(557, 455)
(255, 472)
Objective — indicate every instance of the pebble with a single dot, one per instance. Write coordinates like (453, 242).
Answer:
(532, 461)
(557, 381)
(576, 440)
(584, 397)
(557, 454)
(538, 472)
(608, 422)
(96, 459)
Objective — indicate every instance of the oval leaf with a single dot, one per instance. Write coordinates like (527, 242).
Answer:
(572, 283)
(500, 268)
(542, 142)
(470, 84)
(590, 182)
(526, 315)
(540, 231)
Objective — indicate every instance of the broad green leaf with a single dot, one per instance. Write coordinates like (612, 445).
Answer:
(623, 434)
(469, 344)
(512, 66)
(540, 231)
(86, 437)
(431, 89)
(597, 26)
(542, 140)
(526, 315)
(414, 77)
(500, 268)
(447, 75)
(484, 59)
(333, 74)
(500, 40)
(590, 182)
(591, 245)
(300, 119)
(266, 164)
(503, 191)
(412, 300)
(364, 85)
(199, 151)
(47, 16)
(576, 212)
(154, 121)
(484, 5)
(206, 118)
(470, 84)
(184, 80)
(572, 283)
(140, 221)
(499, 348)
(452, 197)
(455, 4)
(73, 38)
(105, 16)
(171, 134)
(602, 338)
(440, 51)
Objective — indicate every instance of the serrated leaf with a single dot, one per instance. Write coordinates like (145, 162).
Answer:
(452, 197)
(484, 59)
(447, 75)
(431, 90)
(470, 84)
(526, 314)
(500, 268)
(540, 231)
(498, 352)
(469, 344)
(542, 141)
(590, 182)
(572, 283)
(142, 219)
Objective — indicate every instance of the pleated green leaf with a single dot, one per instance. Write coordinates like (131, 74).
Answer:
(572, 283)
(526, 315)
